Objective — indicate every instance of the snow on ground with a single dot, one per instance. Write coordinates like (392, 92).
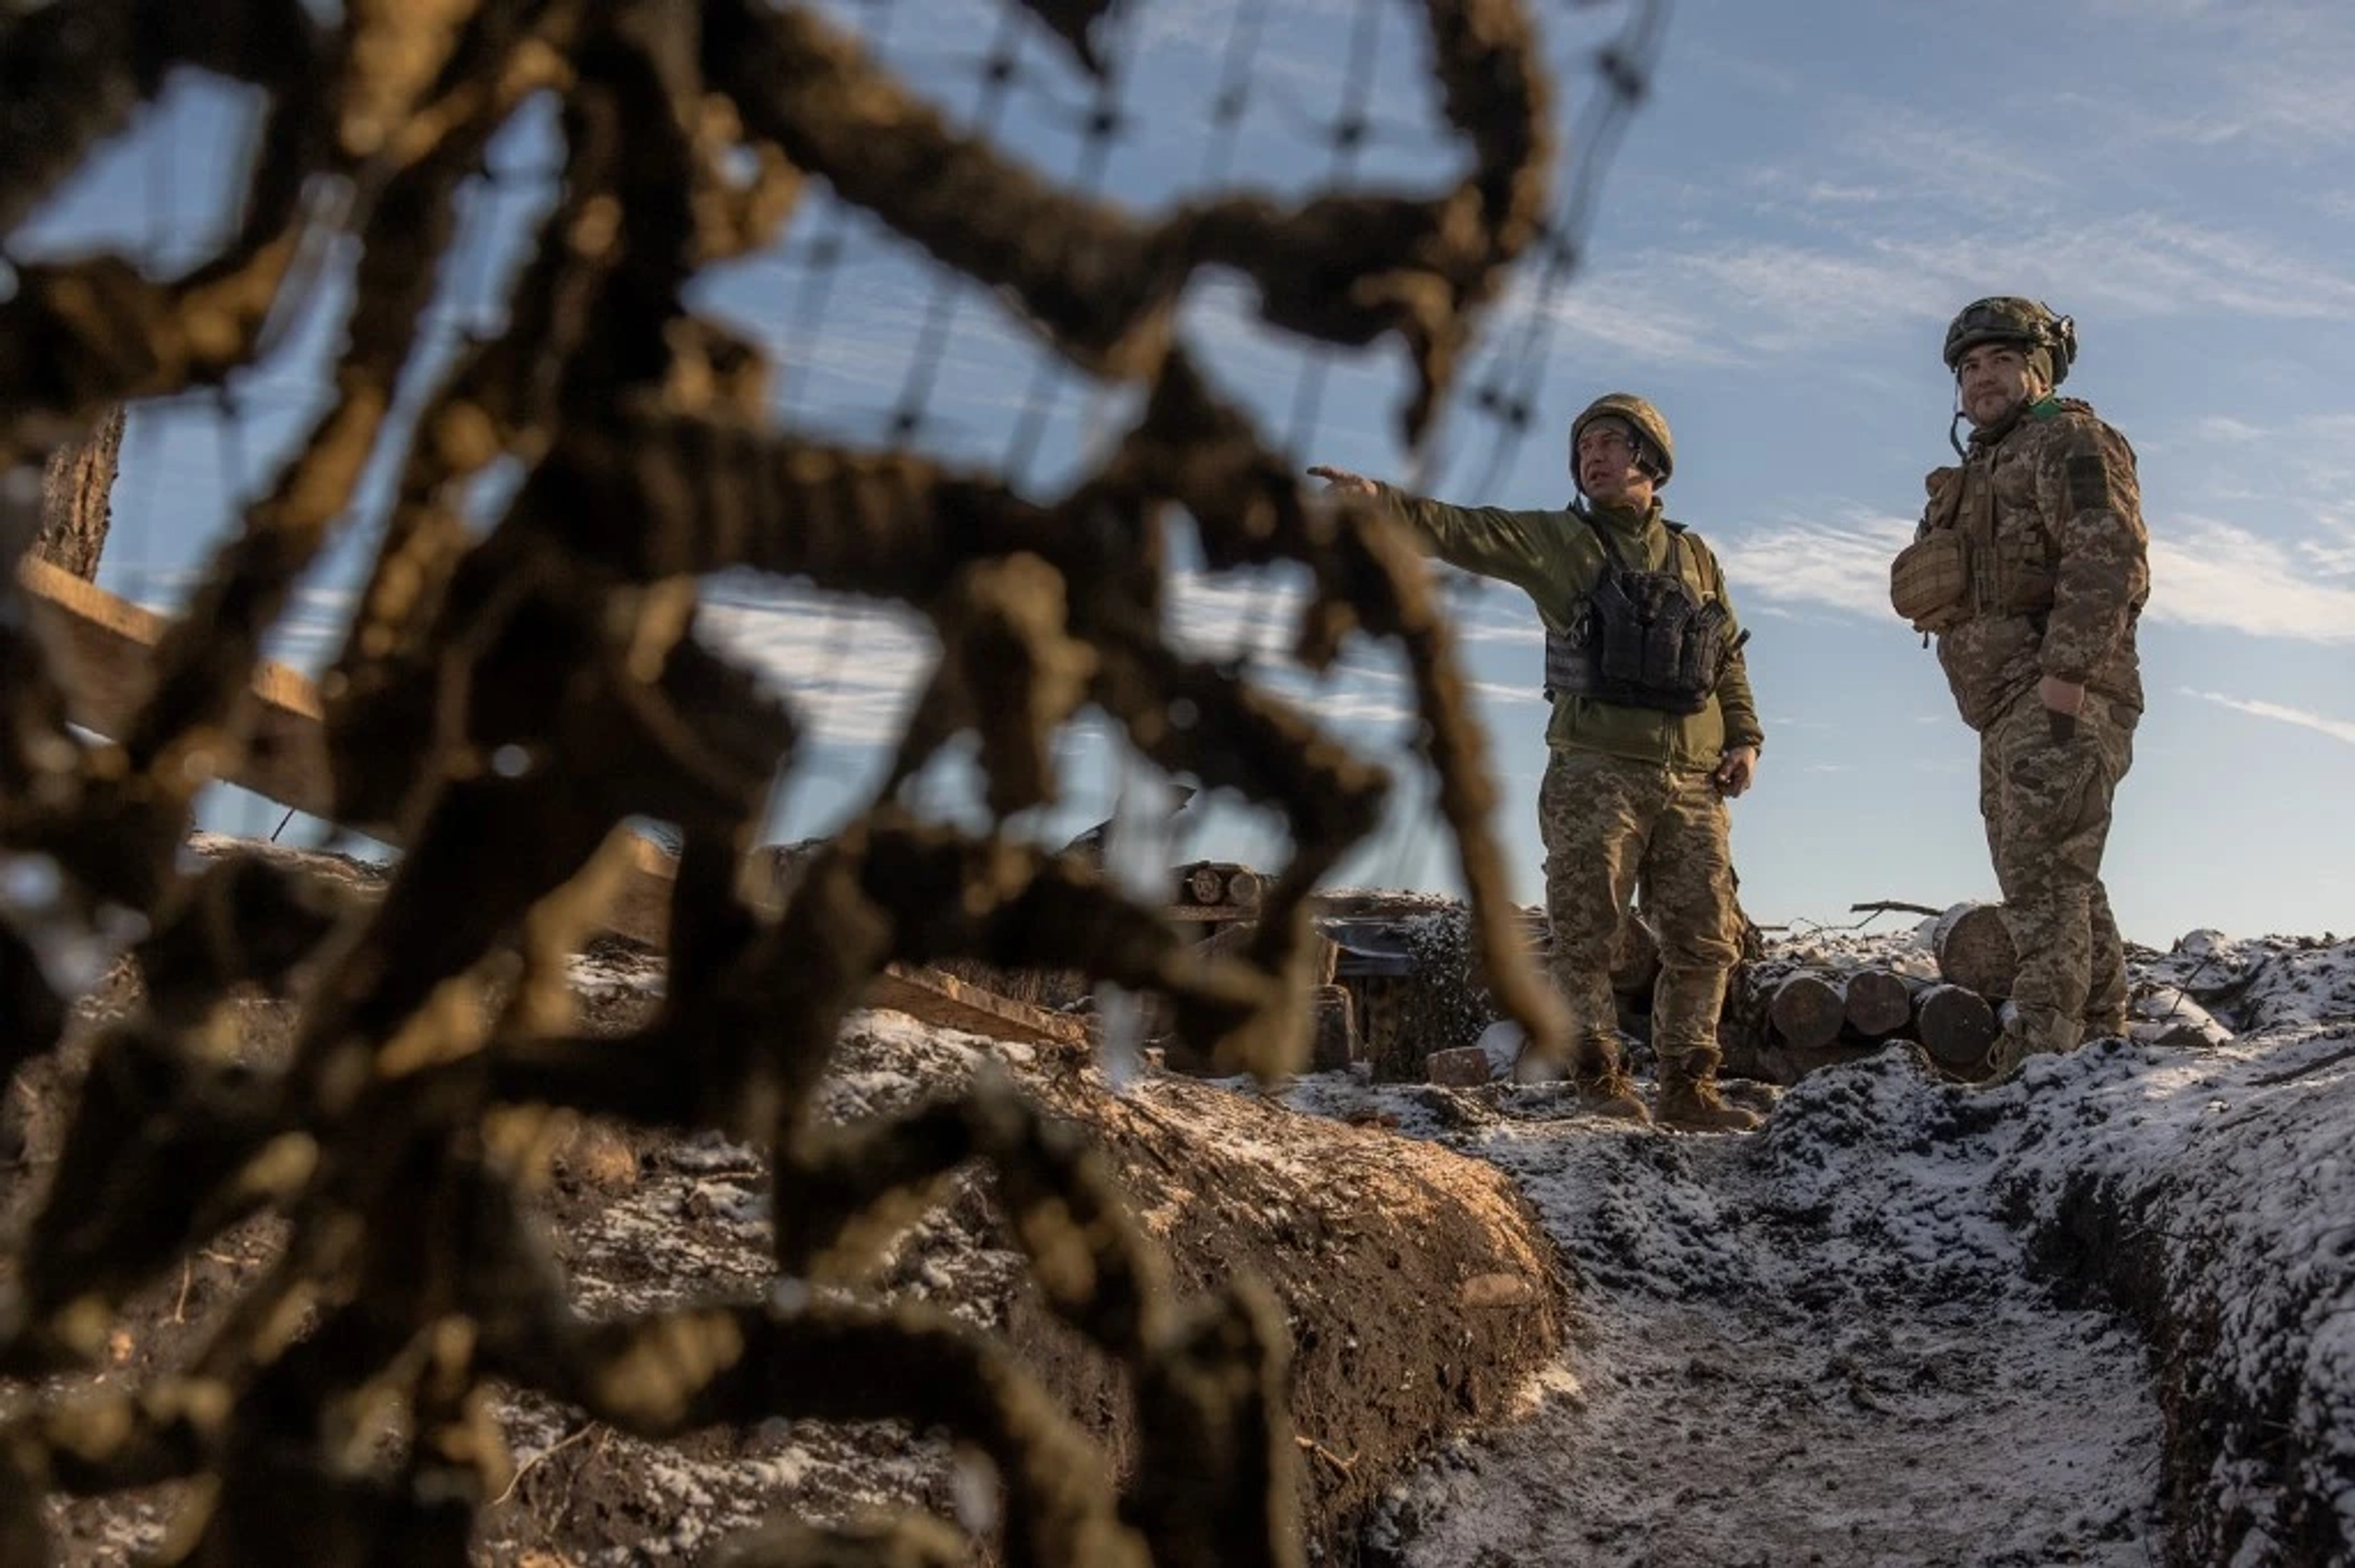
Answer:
(1879, 1331)
(1816, 1346)
(1882, 1331)
(696, 1226)
(1865, 1335)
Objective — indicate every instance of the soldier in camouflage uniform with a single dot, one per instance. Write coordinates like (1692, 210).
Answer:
(1641, 763)
(2031, 567)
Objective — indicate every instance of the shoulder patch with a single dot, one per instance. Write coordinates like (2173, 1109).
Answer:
(2088, 483)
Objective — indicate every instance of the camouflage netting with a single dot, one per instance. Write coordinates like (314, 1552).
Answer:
(505, 699)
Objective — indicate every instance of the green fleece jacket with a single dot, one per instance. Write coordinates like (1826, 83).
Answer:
(1556, 559)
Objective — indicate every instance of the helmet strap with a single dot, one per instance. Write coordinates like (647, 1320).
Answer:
(1954, 425)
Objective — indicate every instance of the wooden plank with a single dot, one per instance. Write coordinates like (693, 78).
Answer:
(1212, 912)
(642, 913)
(641, 909)
(932, 997)
(103, 647)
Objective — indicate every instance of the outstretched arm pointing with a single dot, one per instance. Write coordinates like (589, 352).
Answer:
(1344, 482)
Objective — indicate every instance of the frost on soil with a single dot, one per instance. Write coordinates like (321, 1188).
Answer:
(2102, 1314)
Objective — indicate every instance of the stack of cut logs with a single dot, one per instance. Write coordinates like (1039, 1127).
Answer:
(1787, 1015)
(1208, 884)
(1790, 1014)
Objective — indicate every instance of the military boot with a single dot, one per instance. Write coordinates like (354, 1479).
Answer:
(1604, 1087)
(1689, 1100)
(2016, 1041)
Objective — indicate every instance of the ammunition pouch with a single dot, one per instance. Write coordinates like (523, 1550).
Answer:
(1641, 640)
(1929, 583)
(1567, 674)
(1963, 565)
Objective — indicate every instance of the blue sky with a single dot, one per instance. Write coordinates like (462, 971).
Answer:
(1802, 202)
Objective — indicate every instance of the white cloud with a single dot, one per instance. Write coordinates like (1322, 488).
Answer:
(1737, 303)
(1498, 691)
(1926, 159)
(2206, 573)
(2224, 428)
(1633, 312)
(2157, 263)
(2329, 427)
(1829, 193)
(2336, 728)
(1839, 565)
(1235, 615)
(2297, 473)
(1781, 296)
(1204, 33)
(2328, 558)
(2279, 71)
(851, 671)
(1893, 213)
(1523, 630)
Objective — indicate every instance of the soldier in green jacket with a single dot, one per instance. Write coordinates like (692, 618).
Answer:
(1652, 729)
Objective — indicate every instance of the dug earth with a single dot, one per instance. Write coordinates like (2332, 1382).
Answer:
(1422, 1294)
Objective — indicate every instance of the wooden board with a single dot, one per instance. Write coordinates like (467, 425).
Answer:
(103, 649)
(642, 913)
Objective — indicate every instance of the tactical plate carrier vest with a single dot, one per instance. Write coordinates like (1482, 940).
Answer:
(1640, 639)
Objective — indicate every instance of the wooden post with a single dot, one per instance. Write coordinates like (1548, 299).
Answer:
(76, 498)
(1334, 1042)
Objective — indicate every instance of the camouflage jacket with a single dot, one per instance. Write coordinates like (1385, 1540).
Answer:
(2058, 560)
(1556, 559)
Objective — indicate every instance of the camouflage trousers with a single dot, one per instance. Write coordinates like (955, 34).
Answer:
(2047, 805)
(1613, 828)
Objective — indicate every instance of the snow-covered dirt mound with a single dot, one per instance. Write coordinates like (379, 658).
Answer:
(1418, 1291)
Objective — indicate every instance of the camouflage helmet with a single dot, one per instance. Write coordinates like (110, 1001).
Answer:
(2007, 318)
(1655, 452)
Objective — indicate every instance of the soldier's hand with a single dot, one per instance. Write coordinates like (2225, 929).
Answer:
(2063, 701)
(1736, 769)
(1340, 481)
(2060, 696)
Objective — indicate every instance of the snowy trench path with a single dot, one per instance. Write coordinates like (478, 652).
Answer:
(1780, 1359)
(1836, 1342)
